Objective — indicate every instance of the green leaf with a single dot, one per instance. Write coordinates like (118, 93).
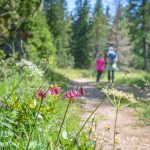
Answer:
(33, 144)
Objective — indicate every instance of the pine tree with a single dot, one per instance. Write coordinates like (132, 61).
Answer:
(60, 25)
(20, 27)
(108, 14)
(100, 26)
(119, 36)
(41, 45)
(81, 26)
(138, 13)
(116, 25)
(78, 8)
(124, 45)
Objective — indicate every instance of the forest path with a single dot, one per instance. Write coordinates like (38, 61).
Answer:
(130, 135)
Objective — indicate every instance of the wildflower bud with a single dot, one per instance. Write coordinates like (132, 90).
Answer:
(54, 90)
(82, 92)
(57, 90)
(41, 94)
(67, 95)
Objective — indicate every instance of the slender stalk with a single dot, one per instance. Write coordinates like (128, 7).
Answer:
(88, 118)
(30, 137)
(16, 86)
(114, 142)
(38, 89)
(86, 122)
(88, 32)
(123, 76)
(63, 121)
(91, 126)
(94, 148)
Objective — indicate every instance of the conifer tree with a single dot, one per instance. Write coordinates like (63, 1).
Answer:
(119, 36)
(41, 45)
(108, 14)
(23, 26)
(100, 26)
(81, 26)
(60, 25)
(138, 14)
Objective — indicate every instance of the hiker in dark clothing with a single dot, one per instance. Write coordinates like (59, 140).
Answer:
(111, 64)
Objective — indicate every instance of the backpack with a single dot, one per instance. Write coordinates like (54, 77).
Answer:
(112, 56)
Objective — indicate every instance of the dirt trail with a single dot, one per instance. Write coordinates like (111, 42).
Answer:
(130, 135)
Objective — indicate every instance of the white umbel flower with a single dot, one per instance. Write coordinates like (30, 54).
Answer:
(30, 66)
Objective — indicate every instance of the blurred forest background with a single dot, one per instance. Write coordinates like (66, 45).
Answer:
(44, 30)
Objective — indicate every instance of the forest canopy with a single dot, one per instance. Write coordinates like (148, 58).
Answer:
(45, 29)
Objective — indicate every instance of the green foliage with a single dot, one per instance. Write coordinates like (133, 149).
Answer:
(81, 26)
(41, 45)
(134, 77)
(139, 29)
(100, 27)
(65, 60)
(143, 111)
(60, 25)
(24, 30)
(19, 124)
(22, 106)
(76, 73)
(125, 52)
(137, 61)
(2, 55)
(7, 67)
(7, 134)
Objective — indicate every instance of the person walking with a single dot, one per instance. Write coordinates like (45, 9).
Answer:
(100, 66)
(111, 64)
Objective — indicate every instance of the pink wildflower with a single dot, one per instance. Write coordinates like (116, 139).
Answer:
(70, 94)
(67, 94)
(40, 94)
(54, 90)
(74, 93)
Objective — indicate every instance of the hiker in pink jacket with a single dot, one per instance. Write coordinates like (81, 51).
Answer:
(100, 65)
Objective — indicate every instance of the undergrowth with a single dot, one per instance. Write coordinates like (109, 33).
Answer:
(19, 107)
(143, 112)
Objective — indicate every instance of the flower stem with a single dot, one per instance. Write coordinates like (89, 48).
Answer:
(114, 142)
(95, 143)
(86, 121)
(16, 85)
(30, 137)
(36, 117)
(63, 121)
(90, 131)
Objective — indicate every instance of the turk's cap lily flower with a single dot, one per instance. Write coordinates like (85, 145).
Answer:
(41, 94)
(70, 94)
(54, 90)
(74, 93)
